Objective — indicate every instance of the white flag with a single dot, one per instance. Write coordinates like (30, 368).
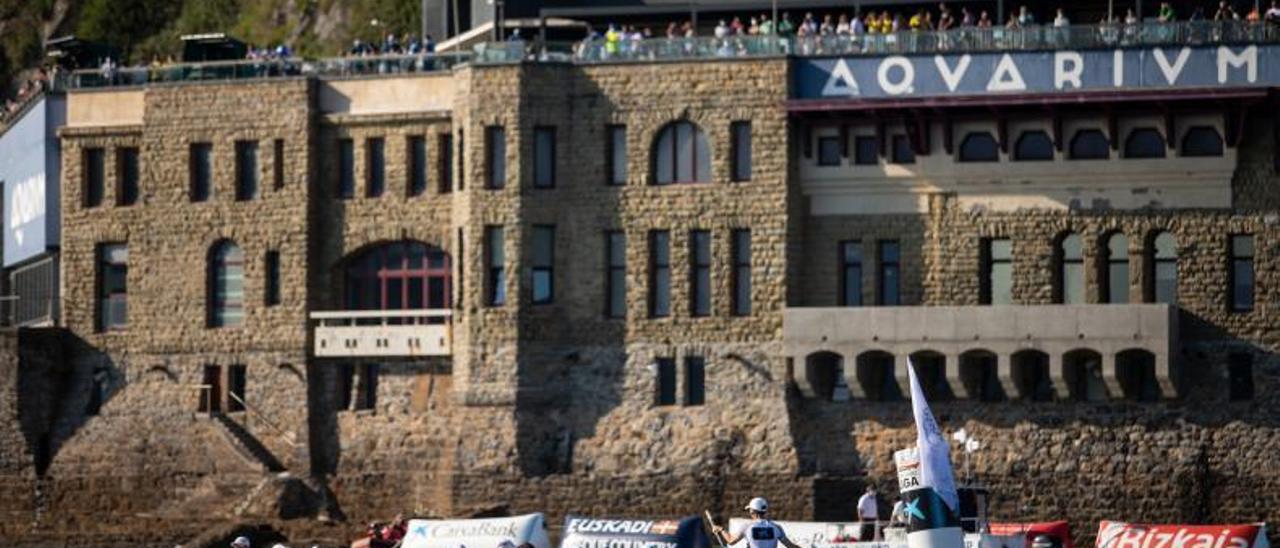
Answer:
(935, 454)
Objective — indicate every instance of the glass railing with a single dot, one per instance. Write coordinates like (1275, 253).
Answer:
(967, 39)
(265, 68)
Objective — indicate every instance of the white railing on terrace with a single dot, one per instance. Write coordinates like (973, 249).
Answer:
(383, 333)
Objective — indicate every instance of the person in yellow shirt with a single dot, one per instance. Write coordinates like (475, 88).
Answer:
(916, 20)
(612, 38)
(886, 23)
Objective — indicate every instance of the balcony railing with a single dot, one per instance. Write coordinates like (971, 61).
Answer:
(383, 333)
(265, 68)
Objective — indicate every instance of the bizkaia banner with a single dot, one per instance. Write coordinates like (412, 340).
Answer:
(582, 532)
(1115, 534)
(29, 170)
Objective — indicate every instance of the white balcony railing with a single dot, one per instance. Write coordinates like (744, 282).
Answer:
(383, 333)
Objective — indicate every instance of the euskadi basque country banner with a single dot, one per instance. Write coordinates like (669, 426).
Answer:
(1114, 534)
(477, 533)
(580, 532)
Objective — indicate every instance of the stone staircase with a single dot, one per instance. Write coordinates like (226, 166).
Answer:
(247, 444)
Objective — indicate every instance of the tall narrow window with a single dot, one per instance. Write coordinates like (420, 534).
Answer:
(1070, 275)
(375, 161)
(681, 155)
(1115, 273)
(495, 262)
(615, 242)
(94, 177)
(741, 150)
(226, 285)
(659, 274)
(346, 169)
(544, 157)
(462, 160)
(1162, 285)
(543, 264)
(495, 157)
(741, 272)
(695, 380)
(246, 170)
(444, 151)
(271, 287)
(666, 392)
(890, 273)
(997, 271)
(902, 151)
(462, 268)
(237, 382)
(277, 171)
(417, 160)
(126, 176)
(700, 273)
(616, 149)
(367, 386)
(866, 150)
(1242, 272)
(851, 273)
(113, 286)
(201, 171)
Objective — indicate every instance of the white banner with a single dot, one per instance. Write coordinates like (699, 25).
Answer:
(477, 533)
(814, 534)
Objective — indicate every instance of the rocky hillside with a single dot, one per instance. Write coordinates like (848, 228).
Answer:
(146, 29)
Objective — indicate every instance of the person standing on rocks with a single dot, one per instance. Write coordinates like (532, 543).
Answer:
(760, 532)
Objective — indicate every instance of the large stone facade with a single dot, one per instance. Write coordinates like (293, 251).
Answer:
(552, 407)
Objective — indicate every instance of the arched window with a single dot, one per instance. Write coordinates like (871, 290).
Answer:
(1136, 372)
(1090, 144)
(824, 377)
(1033, 146)
(1115, 269)
(980, 376)
(1030, 371)
(1144, 142)
(1070, 275)
(979, 146)
(404, 275)
(1082, 371)
(931, 370)
(1201, 141)
(875, 374)
(1162, 269)
(681, 155)
(226, 284)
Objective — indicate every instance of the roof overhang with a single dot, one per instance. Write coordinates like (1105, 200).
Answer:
(1083, 98)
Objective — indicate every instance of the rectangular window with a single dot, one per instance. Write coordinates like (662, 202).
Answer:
(695, 380)
(344, 382)
(659, 274)
(1240, 376)
(462, 161)
(346, 169)
(495, 157)
(851, 273)
(902, 151)
(445, 154)
(495, 262)
(277, 173)
(544, 157)
(996, 285)
(543, 264)
(94, 177)
(461, 287)
(126, 176)
(890, 271)
(866, 150)
(616, 266)
(271, 288)
(1242, 272)
(740, 147)
(417, 146)
(666, 381)
(246, 170)
(828, 151)
(741, 272)
(211, 394)
(237, 381)
(113, 286)
(616, 150)
(375, 162)
(700, 273)
(366, 396)
(201, 171)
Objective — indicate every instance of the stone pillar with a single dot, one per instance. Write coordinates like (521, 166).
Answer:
(1164, 376)
(850, 360)
(1004, 371)
(958, 387)
(900, 365)
(1109, 377)
(1057, 375)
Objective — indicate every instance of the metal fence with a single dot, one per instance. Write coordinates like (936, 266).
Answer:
(264, 68)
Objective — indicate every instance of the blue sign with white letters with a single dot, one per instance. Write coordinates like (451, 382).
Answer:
(29, 170)
(1047, 72)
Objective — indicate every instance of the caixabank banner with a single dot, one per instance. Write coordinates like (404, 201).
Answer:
(1115, 534)
(477, 533)
(583, 532)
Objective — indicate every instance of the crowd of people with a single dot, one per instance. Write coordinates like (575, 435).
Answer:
(29, 90)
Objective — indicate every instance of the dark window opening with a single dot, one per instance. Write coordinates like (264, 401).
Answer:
(94, 177)
(1069, 277)
(1202, 141)
(902, 151)
(201, 171)
(226, 285)
(876, 376)
(1240, 376)
(980, 375)
(890, 288)
(823, 376)
(246, 170)
(403, 275)
(127, 175)
(1162, 274)
(1144, 142)
(445, 154)
(741, 272)
(931, 371)
(375, 177)
(681, 155)
(346, 169)
(542, 271)
(277, 147)
(1090, 144)
(996, 282)
(616, 154)
(495, 157)
(495, 262)
(979, 147)
(616, 280)
(271, 289)
(829, 151)
(740, 150)
(666, 389)
(1030, 371)
(1082, 371)
(417, 146)
(1114, 273)
(659, 274)
(700, 273)
(1242, 275)
(1033, 146)
(113, 286)
(544, 157)
(695, 380)
(1136, 372)
(866, 150)
(851, 273)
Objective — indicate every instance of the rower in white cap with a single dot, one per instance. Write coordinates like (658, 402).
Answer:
(760, 532)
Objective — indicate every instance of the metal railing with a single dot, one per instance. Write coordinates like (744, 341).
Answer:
(206, 407)
(264, 68)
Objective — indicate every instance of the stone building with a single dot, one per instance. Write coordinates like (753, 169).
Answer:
(636, 286)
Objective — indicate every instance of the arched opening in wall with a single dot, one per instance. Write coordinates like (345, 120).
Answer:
(1162, 269)
(1033, 146)
(1090, 144)
(1202, 141)
(681, 154)
(979, 146)
(1113, 269)
(1030, 371)
(1136, 373)
(875, 375)
(403, 275)
(980, 376)
(1082, 369)
(1144, 142)
(931, 369)
(824, 372)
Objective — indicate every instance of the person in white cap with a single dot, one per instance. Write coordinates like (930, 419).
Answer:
(240, 542)
(760, 532)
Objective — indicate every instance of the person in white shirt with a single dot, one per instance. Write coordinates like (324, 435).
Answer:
(869, 512)
(1061, 19)
(1273, 13)
(759, 532)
